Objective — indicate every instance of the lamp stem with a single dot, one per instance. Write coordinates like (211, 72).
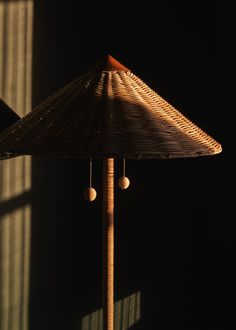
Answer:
(108, 244)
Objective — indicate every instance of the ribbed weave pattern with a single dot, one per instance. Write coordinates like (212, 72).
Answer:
(108, 244)
(107, 113)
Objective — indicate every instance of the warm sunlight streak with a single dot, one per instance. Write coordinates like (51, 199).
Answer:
(16, 36)
(14, 268)
(127, 313)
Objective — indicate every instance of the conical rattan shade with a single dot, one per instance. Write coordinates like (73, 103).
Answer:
(7, 118)
(107, 112)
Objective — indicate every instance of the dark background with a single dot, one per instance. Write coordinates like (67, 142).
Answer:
(174, 236)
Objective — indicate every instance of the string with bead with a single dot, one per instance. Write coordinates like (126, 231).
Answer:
(123, 182)
(90, 193)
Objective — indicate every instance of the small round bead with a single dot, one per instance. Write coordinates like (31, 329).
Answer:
(90, 194)
(123, 182)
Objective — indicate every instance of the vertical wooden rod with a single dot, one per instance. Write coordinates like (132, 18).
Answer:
(108, 244)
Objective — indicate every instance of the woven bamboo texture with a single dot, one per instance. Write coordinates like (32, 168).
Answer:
(7, 118)
(107, 112)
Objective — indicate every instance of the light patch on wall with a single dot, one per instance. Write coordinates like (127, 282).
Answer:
(14, 268)
(15, 177)
(127, 313)
(16, 37)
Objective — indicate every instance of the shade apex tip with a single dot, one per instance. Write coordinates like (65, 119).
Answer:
(113, 65)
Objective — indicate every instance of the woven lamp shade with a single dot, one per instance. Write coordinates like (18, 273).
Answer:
(7, 118)
(107, 112)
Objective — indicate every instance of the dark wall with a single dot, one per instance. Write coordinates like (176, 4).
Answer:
(174, 233)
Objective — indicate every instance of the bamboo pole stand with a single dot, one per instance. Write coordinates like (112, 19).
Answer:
(108, 244)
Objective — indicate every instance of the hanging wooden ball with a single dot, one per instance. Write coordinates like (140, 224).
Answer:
(90, 194)
(123, 182)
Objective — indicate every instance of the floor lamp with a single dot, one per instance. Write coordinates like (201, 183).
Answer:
(107, 113)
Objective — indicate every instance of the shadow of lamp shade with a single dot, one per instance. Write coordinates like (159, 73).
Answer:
(107, 113)
(7, 118)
